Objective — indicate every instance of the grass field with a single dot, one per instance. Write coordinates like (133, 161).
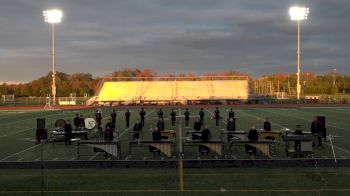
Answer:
(17, 143)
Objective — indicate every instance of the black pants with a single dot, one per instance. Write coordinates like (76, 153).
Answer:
(67, 138)
(297, 146)
(136, 136)
(172, 122)
(143, 121)
(202, 120)
(113, 122)
(217, 121)
(187, 122)
(127, 122)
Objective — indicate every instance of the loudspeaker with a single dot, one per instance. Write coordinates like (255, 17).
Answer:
(40, 123)
(324, 132)
(322, 121)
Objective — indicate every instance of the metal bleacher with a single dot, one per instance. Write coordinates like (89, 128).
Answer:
(172, 91)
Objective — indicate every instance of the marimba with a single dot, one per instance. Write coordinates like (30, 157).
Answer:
(234, 135)
(270, 135)
(267, 147)
(169, 134)
(166, 146)
(110, 147)
(214, 145)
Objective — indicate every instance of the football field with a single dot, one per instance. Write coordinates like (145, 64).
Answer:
(17, 136)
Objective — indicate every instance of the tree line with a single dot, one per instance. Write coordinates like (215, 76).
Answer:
(85, 84)
(311, 83)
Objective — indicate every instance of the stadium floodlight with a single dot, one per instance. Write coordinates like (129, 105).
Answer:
(298, 14)
(53, 16)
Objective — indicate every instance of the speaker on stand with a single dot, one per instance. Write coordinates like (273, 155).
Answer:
(41, 132)
(322, 122)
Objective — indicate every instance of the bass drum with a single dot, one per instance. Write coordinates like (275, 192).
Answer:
(60, 123)
(90, 123)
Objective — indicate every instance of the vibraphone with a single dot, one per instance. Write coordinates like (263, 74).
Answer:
(59, 133)
(305, 144)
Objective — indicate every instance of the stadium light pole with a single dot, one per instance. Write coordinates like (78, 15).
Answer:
(298, 14)
(53, 16)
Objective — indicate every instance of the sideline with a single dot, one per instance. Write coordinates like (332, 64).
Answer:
(187, 190)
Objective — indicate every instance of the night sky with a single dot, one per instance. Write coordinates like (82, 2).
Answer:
(172, 36)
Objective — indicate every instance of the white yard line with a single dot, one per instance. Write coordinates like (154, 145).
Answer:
(14, 133)
(347, 130)
(14, 154)
(20, 159)
(126, 130)
(339, 148)
(94, 156)
(31, 118)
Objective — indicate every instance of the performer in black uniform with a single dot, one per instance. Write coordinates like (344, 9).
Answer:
(137, 129)
(98, 117)
(316, 131)
(76, 121)
(197, 127)
(156, 136)
(231, 126)
(82, 121)
(253, 137)
(267, 125)
(297, 144)
(109, 131)
(173, 117)
(142, 117)
(205, 133)
(160, 124)
(160, 113)
(127, 117)
(231, 114)
(217, 116)
(68, 133)
(205, 137)
(187, 117)
(201, 116)
(114, 118)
